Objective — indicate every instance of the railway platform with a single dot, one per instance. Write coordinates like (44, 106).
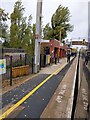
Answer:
(60, 105)
(50, 94)
(64, 99)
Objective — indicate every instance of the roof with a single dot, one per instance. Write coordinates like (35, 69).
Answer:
(64, 47)
(56, 43)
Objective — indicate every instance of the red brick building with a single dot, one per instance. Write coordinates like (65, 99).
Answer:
(63, 50)
(53, 48)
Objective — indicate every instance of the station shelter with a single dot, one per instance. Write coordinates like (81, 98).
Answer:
(52, 50)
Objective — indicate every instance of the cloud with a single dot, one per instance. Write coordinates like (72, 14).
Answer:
(78, 10)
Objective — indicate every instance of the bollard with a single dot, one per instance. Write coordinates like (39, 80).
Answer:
(21, 59)
(10, 70)
(25, 59)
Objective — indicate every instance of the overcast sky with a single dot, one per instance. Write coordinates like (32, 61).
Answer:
(78, 10)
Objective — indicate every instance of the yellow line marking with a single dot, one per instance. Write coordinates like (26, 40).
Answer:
(5, 114)
(57, 71)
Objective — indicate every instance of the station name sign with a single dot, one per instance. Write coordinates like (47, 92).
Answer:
(2, 66)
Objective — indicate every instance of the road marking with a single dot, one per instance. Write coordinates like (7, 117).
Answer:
(5, 114)
(58, 70)
(85, 99)
(61, 94)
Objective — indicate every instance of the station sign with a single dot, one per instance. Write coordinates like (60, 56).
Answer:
(2, 66)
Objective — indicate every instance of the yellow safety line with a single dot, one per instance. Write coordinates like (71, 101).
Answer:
(5, 114)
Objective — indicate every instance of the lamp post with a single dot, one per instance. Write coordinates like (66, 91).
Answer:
(60, 38)
(38, 37)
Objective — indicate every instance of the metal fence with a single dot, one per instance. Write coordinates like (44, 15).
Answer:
(17, 60)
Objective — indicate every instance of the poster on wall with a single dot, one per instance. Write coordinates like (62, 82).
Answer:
(2, 66)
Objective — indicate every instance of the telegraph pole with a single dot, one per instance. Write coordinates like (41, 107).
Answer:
(38, 37)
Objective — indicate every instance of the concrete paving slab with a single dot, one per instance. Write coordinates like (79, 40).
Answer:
(51, 68)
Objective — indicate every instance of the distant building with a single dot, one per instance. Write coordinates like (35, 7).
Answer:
(78, 44)
(89, 25)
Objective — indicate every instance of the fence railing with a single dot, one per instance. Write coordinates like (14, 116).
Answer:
(17, 61)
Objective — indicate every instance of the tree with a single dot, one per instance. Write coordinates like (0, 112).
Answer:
(61, 19)
(59, 22)
(48, 32)
(32, 40)
(28, 37)
(21, 32)
(4, 27)
(31, 43)
(16, 30)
